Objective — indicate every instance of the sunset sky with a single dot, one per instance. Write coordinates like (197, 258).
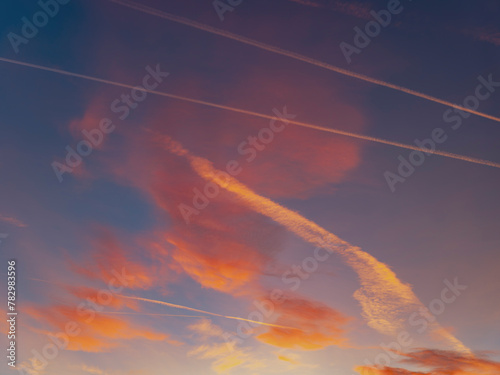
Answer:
(236, 187)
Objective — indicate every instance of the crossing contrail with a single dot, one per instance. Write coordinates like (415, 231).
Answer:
(293, 55)
(260, 115)
(384, 298)
(203, 312)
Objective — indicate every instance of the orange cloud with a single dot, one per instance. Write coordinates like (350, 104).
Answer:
(91, 331)
(317, 325)
(218, 263)
(226, 247)
(285, 358)
(438, 362)
(298, 161)
(382, 295)
(109, 258)
(225, 356)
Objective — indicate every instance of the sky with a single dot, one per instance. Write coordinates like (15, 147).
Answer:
(246, 187)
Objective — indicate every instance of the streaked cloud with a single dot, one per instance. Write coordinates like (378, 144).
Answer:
(438, 362)
(318, 326)
(12, 221)
(110, 257)
(96, 332)
(384, 298)
(484, 34)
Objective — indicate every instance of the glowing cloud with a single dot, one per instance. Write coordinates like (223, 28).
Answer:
(383, 297)
(438, 362)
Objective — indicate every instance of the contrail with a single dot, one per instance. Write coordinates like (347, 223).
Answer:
(260, 115)
(48, 282)
(149, 314)
(293, 55)
(178, 307)
(204, 312)
(383, 297)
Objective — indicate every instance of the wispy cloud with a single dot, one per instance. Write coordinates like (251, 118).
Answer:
(438, 362)
(484, 34)
(12, 221)
(319, 326)
(97, 332)
(225, 356)
(384, 298)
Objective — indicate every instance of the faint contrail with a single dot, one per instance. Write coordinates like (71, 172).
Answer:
(203, 312)
(149, 314)
(48, 282)
(256, 114)
(383, 297)
(293, 55)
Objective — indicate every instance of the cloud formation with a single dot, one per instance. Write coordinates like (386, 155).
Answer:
(96, 332)
(12, 221)
(384, 298)
(438, 362)
(318, 326)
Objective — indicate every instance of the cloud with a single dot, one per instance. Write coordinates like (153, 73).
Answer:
(484, 34)
(317, 326)
(96, 332)
(12, 221)
(225, 356)
(206, 328)
(384, 298)
(298, 162)
(293, 360)
(289, 359)
(91, 370)
(109, 257)
(438, 362)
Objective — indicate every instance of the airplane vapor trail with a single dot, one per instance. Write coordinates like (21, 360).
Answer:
(151, 314)
(204, 312)
(293, 55)
(382, 296)
(260, 115)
